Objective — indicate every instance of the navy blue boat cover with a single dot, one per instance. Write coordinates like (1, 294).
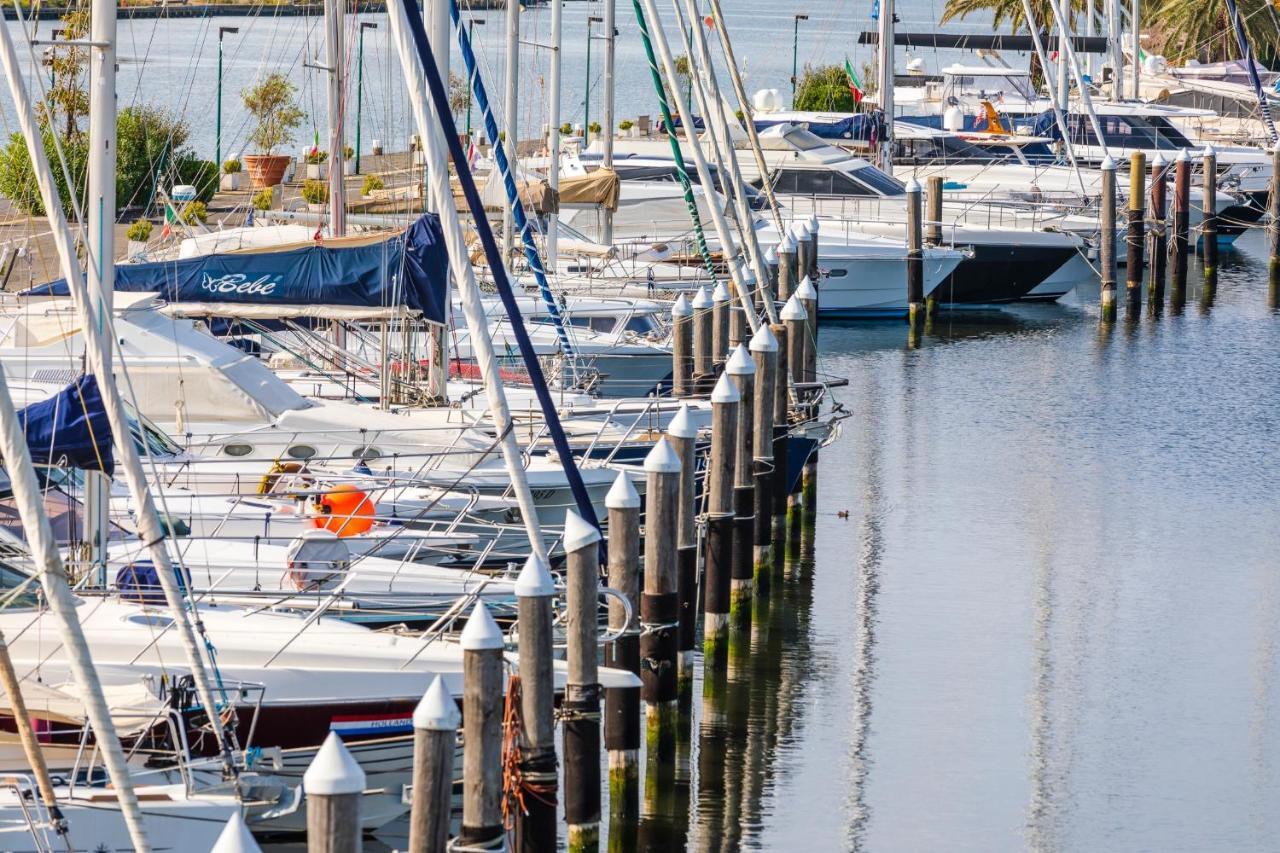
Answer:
(70, 428)
(409, 269)
(860, 126)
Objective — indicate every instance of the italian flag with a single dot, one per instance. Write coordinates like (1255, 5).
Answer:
(855, 85)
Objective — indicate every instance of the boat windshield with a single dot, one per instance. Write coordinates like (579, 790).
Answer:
(805, 140)
(883, 184)
(18, 588)
(1128, 132)
(990, 85)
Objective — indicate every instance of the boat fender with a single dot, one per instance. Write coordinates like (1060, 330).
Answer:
(344, 510)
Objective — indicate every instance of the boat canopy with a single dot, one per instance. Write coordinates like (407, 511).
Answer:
(406, 271)
(70, 428)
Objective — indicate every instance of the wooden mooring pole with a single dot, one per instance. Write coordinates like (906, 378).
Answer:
(622, 704)
(742, 370)
(435, 734)
(781, 426)
(1209, 226)
(1159, 235)
(795, 319)
(659, 605)
(787, 280)
(334, 785)
(720, 311)
(682, 436)
(772, 267)
(1107, 240)
(581, 707)
(764, 352)
(703, 329)
(1178, 247)
(534, 588)
(1273, 230)
(915, 258)
(1136, 238)
(482, 703)
(681, 348)
(720, 523)
(808, 296)
(738, 326)
(933, 233)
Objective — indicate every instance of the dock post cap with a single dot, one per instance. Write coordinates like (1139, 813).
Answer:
(793, 310)
(813, 223)
(1108, 165)
(787, 245)
(702, 299)
(662, 459)
(680, 308)
(1183, 155)
(726, 390)
(1209, 150)
(913, 186)
(622, 494)
(578, 532)
(535, 579)
(236, 837)
(740, 363)
(800, 230)
(771, 256)
(481, 632)
(806, 290)
(721, 293)
(1158, 160)
(437, 712)
(333, 771)
(682, 425)
(763, 340)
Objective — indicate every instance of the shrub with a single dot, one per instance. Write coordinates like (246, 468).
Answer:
(566, 129)
(18, 177)
(232, 167)
(201, 174)
(626, 124)
(194, 213)
(140, 231)
(371, 183)
(316, 157)
(275, 112)
(348, 152)
(594, 127)
(315, 192)
(263, 198)
(824, 89)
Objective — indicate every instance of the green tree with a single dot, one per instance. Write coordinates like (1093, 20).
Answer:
(275, 111)
(68, 101)
(18, 176)
(1202, 29)
(824, 89)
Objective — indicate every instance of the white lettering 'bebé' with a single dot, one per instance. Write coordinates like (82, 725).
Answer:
(240, 283)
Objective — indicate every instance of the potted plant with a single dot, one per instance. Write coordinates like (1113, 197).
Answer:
(194, 213)
(276, 115)
(315, 160)
(566, 129)
(316, 193)
(139, 233)
(264, 198)
(594, 130)
(376, 149)
(371, 183)
(627, 126)
(231, 175)
(348, 160)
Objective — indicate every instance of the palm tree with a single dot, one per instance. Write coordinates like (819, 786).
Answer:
(1201, 29)
(1010, 12)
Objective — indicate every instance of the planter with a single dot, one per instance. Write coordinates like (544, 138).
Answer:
(231, 181)
(317, 171)
(136, 247)
(377, 148)
(265, 170)
(315, 208)
(348, 167)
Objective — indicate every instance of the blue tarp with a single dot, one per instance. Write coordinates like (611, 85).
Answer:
(860, 126)
(409, 269)
(70, 428)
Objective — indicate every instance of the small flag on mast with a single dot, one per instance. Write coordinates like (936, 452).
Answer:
(855, 85)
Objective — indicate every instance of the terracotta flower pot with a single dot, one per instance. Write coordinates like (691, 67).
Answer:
(265, 170)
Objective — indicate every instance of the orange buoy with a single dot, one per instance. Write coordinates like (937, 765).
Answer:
(344, 510)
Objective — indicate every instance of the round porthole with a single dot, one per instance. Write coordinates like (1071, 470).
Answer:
(366, 454)
(237, 449)
(300, 451)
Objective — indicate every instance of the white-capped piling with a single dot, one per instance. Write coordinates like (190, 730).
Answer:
(1273, 228)
(659, 604)
(581, 707)
(772, 267)
(1209, 225)
(720, 311)
(719, 549)
(933, 205)
(1107, 240)
(739, 326)
(535, 589)
(482, 703)
(915, 254)
(1158, 232)
(1135, 234)
(236, 837)
(808, 296)
(622, 704)
(795, 319)
(781, 486)
(742, 370)
(435, 734)
(681, 347)
(1180, 245)
(804, 247)
(813, 269)
(787, 280)
(764, 352)
(682, 436)
(333, 784)
(703, 327)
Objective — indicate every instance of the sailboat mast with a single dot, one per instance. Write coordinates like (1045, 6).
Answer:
(100, 219)
(1135, 15)
(606, 138)
(885, 85)
(512, 114)
(553, 130)
(333, 22)
(1114, 47)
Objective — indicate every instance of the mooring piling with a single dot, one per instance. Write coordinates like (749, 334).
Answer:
(681, 348)
(1136, 237)
(915, 255)
(796, 320)
(804, 251)
(1159, 235)
(622, 704)
(770, 287)
(535, 589)
(659, 605)
(703, 328)
(814, 271)
(742, 370)
(1273, 229)
(1107, 240)
(933, 221)
(808, 296)
(787, 280)
(435, 734)
(1209, 225)
(581, 707)
(334, 785)
(482, 703)
(738, 325)
(781, 426)
(720, 311)
(764, 352)
(682, 436)
(236, 837)
(1178, 247)
(720, 525)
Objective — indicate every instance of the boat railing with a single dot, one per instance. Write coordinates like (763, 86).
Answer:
(34, 812)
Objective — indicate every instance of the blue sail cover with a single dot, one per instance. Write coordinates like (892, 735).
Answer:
(70, 428)
(859, 126)
(409, 269)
